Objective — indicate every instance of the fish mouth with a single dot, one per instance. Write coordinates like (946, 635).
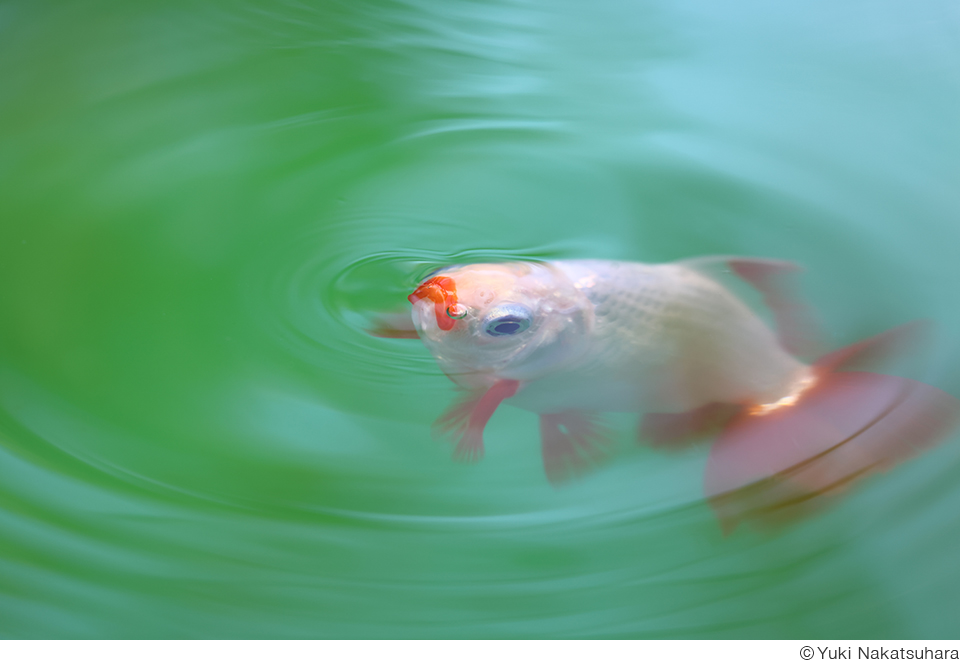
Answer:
(442, 291)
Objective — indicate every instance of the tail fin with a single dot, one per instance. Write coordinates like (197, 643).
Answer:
(775, 467)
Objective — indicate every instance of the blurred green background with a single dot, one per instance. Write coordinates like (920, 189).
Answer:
(202, 203)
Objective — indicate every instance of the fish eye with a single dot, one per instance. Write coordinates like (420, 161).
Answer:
(507, 320)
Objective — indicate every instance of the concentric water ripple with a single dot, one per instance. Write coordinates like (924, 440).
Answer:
(205, 208)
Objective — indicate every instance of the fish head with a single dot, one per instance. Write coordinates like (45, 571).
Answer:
(515, 320)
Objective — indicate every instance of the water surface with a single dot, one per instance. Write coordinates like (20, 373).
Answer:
(202, 204)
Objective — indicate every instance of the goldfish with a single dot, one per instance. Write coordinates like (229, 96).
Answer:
(676, 344)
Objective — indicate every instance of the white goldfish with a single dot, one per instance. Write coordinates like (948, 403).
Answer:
(570, 339)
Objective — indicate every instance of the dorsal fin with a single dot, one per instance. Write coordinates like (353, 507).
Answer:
(796, 324)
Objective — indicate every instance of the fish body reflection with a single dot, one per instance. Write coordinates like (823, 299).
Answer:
(570, 339)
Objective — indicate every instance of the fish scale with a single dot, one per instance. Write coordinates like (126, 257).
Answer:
(668, 338)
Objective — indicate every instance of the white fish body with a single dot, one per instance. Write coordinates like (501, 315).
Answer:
(624, 336)
(568, 339)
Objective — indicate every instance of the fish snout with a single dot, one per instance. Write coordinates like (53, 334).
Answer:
(442, 291)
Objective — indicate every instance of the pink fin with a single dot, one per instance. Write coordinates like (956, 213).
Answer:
(877, 349)
(465, 420)
(795, 320)
(393, 326)
(572, 442)
(678, 430)
(775, 467)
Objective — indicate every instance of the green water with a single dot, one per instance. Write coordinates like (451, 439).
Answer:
(202, 203)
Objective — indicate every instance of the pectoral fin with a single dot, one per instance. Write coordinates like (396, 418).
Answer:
(464, 421)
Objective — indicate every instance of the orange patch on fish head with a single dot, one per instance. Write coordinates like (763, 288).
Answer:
(442, 291)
